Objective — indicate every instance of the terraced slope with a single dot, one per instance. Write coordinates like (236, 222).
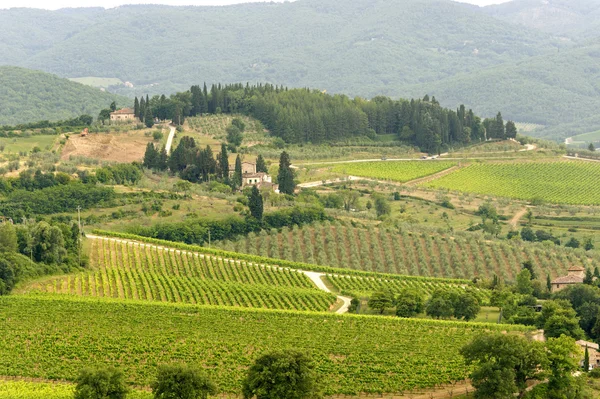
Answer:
(55, 336)
(128, 271)
(407, 252)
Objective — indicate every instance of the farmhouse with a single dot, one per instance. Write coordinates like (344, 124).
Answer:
(125, 114)
(593, 352)
(575, 275)
(250, 177)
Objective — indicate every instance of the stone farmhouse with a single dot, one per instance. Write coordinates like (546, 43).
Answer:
(575, 275)
(250, 177)
(593, 352)
(123, 115)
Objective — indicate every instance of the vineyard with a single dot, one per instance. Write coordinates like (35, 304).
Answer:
(134, 271)
(392, 170)
(567, 182)
(55, 336)
(41, 390)
(407, 252)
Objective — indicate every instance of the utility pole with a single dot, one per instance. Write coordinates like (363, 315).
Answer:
(79, 234)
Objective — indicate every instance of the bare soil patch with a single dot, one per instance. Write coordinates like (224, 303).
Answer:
(115, 147)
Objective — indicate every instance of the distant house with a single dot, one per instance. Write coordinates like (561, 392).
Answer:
(575, 275)
(123, 115)
(252, 178)
(593, 352)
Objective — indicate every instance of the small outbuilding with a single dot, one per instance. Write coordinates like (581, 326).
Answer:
(123, 115)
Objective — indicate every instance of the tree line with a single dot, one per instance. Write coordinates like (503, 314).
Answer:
(311, 116)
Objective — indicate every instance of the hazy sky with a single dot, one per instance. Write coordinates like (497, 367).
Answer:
(55, 4)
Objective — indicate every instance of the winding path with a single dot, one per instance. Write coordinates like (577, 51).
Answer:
(170, 139)
(315, 277)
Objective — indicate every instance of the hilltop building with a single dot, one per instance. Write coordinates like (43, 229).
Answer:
(575, 275)
(250, 177)
(123, 115)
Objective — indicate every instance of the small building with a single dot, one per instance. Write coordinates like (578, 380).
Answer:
(575, 275)
(593, 352)
(123, 115)
(251, 179)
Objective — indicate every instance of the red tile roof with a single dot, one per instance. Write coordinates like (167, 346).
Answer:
(123, 111)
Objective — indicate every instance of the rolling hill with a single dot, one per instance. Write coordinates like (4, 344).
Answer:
(30, 96)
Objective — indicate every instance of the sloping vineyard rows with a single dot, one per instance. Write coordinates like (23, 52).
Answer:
(407, 252)
(566, 182)
(364, 287)
(128, 271)
(393, 170)
(45, 390)
(56, 336)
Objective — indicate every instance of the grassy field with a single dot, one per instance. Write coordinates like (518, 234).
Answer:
(47, 390)
(587, 137)
(54, 337)
(127, 271)
(392, 170)
(416, 253)
(98, 82)
(566, 182)
(27, 144)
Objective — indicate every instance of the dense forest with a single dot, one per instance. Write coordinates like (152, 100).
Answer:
(30, 96)
(310, 116)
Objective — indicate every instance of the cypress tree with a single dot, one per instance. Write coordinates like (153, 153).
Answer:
(548, 283)
(285, 177)
(142, 109)
(511, 130)
(151, 157)
(596, 272)
(237, 175)
(589, 276)
(161, 163)
(136, 108)
(255, 203)
(148, 119)
(224, 163)
(586, 360)
(261, 165)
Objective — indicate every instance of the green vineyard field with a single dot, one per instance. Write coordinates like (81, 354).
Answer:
(53, 336)
(45, 390)
(407, 252)
(393, 170)
(567, 182)
(140, 272)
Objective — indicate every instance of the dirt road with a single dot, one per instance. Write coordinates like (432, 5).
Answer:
(170, 139)
(515, 220)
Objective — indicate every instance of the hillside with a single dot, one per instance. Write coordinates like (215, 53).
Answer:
(575, 19)
(30, 96)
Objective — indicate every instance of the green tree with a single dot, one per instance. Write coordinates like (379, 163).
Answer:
(591, 147)
(113, 106)
(586, 360)
(261, 165)
(279, 375)
(562, 324)
(234, 136)
(588, 244)
(236, 181)
(136, 107)
(106, 383)
(285, 177)
(182, 382)
(524, 285)
(148, 118)
(8, 276)
(409, 303)
(47, 243)
(511, 130)
(150, 157)
(350, 199)
(8, 238)
(503, 364)
(224, 163)
(237, 122)
(466, 306)
(573, 243)
(563, 355)
(439, 305)
(528, 264)
(255, 203)
(382, 206)
(381, 300)
(589, 276)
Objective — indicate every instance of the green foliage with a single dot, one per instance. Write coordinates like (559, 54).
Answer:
(503, 364)
(275, 375)
(182, 382)
(8, 238)
(25, 96)
(255, 203)
(101, 384)
(381, 300)
(382, 206)
(285, 177)
(234, 136)
(261, 165)
(409, 302)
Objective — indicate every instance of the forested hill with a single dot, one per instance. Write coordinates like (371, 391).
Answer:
(30, 96)
(397, 48)
(305, 116)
